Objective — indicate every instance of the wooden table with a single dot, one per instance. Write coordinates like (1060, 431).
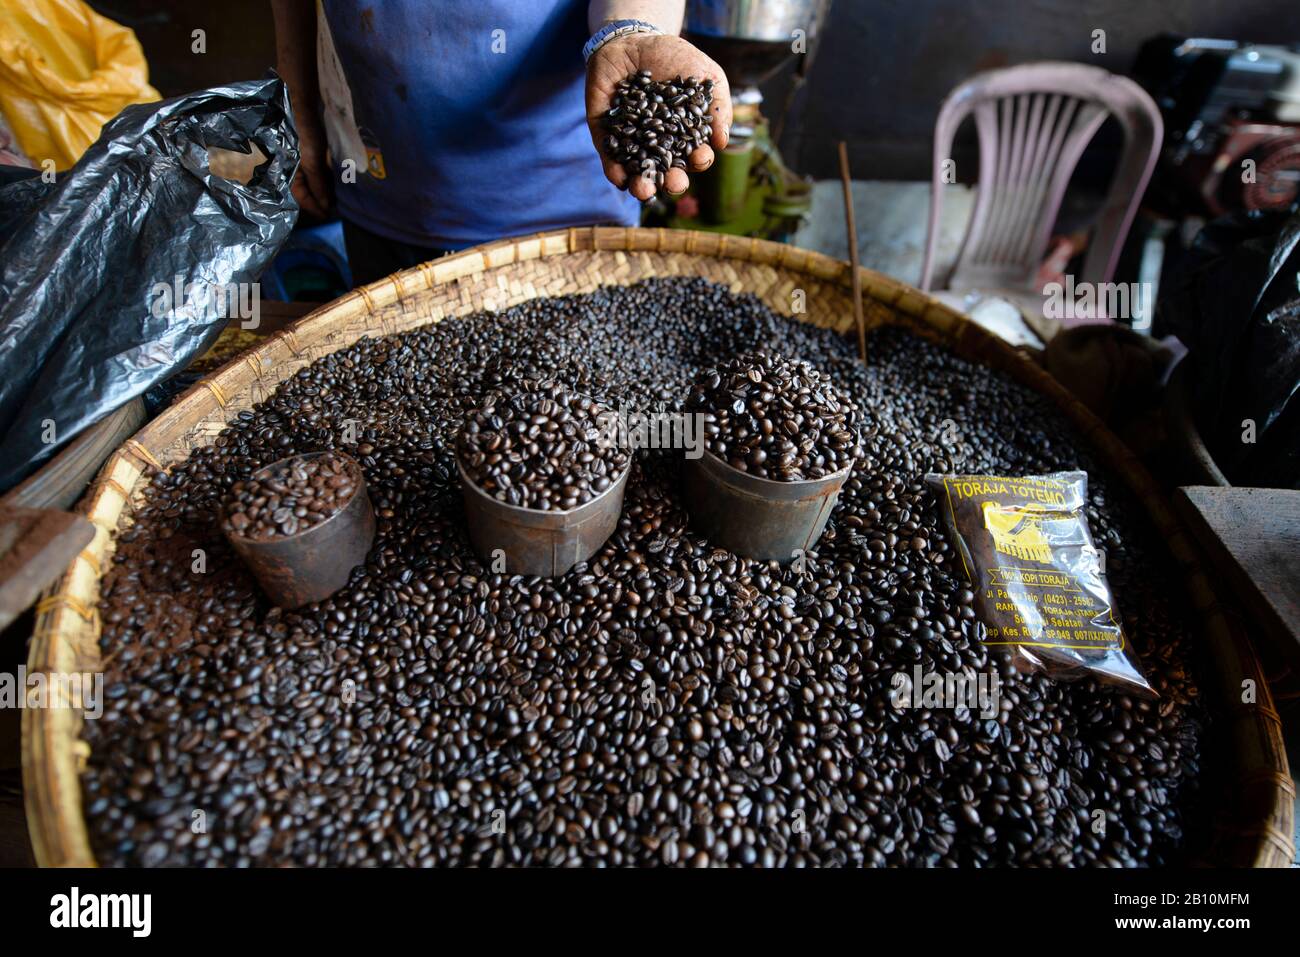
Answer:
(1252, 539)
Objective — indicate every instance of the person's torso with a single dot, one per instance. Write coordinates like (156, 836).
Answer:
(472, 119)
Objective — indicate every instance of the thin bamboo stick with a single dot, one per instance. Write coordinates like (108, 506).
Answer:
(858, 318)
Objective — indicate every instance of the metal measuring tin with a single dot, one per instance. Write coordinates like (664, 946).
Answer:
(535, 541)
(310, 565)
(757, 517)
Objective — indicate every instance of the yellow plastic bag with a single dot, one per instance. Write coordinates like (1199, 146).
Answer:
(64, 72)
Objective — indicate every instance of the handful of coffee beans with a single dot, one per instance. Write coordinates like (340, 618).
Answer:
(292, 499)
(541, 449)
(775, 418)
(655, 126)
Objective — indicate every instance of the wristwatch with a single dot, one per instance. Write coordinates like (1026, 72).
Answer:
(613, 30)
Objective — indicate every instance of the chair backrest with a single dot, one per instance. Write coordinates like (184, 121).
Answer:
(1034, 122)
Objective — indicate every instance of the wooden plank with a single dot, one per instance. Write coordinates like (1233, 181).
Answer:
(61, 480)
(275, 315)
(36, 546)
(1252, 536)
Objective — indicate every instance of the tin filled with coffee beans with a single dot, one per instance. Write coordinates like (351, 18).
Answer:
(542, 483)
(779, 445)
(301, 525)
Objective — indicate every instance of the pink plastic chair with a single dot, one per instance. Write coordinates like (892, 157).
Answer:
(1034, 122)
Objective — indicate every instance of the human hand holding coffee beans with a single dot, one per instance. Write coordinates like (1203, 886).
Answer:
(665, 94)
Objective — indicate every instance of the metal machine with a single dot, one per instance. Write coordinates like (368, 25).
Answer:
(1232, 122)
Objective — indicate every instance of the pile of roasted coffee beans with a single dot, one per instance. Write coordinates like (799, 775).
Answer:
(775, 417)
(546, 448)
(653, 126)
(666, 703)
(292, 499)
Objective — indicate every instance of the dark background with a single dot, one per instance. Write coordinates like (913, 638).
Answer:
(883, 66)
(879, 73)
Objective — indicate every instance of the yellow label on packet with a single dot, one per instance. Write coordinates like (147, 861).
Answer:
(1027, 551)
(1016, 532)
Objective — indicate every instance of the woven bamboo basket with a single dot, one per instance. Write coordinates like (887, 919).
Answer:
(1253, 801)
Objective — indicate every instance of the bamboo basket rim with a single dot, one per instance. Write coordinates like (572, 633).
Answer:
(66, 633)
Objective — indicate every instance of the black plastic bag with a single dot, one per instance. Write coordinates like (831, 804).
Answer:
(81, 260)
(1235, 304)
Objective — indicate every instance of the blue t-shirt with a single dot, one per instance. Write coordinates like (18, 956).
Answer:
(473, 120)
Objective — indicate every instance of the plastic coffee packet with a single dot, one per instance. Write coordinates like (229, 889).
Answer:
(1039, 588)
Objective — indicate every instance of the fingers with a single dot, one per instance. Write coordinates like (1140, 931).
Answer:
(701, 158)
(307, 201)
(317, 185)
(313, 187)
(606, 68)
(321, 183)
(675, 183)
(721, 109)
(597, 103)
(643, 187)
(614, 172)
